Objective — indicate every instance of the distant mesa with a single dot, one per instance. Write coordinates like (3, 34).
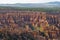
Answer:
(48, 4)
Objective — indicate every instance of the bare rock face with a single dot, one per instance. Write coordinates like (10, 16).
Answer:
(29, 25)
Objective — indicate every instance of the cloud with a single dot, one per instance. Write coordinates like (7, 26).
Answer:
(25, 1)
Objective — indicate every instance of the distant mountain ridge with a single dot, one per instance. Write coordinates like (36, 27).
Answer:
(56, 2)
(49, 4)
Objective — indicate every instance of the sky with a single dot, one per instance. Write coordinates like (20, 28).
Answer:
(25, 1)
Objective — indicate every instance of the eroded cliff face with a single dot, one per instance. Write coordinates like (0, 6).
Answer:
(29, 25)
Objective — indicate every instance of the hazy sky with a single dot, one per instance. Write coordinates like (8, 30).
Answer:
(24, 1)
